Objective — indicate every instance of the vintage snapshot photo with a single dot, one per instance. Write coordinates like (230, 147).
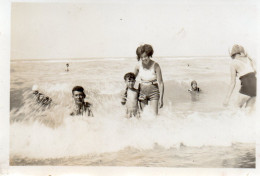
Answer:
(133, 84)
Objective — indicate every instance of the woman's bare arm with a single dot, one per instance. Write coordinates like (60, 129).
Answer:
(232, 84)
(160, 82)
(253, 64)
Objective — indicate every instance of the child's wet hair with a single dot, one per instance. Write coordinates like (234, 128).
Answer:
(129, 75)
(79, 89)
(193, 82)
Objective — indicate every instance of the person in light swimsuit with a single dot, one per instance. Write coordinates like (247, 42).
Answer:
(151, 86)
(243, 67)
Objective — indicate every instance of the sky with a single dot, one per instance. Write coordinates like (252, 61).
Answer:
(117, 28)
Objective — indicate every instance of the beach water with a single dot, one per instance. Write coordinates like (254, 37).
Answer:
(188, 132)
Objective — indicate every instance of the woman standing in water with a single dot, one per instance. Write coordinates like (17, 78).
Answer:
(243, 67)
(151, 86)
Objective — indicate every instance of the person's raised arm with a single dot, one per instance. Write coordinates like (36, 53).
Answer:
(232, 84)
(161, 84)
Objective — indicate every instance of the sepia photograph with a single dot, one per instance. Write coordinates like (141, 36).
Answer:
(133, 84)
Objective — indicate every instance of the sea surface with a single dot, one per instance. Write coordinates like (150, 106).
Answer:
(188, 132)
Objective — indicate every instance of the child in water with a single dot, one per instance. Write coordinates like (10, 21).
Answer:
(194, 90)
(130, 96)
(194, 87)
(67, 69)
(80, 107)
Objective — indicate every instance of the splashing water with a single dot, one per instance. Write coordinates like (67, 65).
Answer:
(51, 133)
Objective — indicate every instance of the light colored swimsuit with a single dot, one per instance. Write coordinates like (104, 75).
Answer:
(147, 75)
(244, 68)
(148, 86)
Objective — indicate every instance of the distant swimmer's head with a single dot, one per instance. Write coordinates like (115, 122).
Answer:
(237, 50)
(78, 94)
(130, 79)
(194, 85)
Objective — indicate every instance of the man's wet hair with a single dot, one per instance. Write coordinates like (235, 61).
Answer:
(129, 75)
(79, 89)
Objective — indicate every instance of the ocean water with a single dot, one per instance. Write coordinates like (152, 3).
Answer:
(188, 132)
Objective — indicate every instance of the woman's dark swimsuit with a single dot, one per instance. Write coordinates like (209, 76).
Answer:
(248, 84)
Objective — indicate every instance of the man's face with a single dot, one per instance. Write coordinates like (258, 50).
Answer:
(78, 97)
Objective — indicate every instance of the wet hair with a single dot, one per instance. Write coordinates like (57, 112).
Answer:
(79, 89)
(129, 75)
(193, 82)
(148, 49)
(139, 52)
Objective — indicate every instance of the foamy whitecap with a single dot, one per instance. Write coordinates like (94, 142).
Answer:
(111, 133)
(52, 133)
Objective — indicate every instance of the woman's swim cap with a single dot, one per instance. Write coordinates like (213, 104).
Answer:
(237, 49)
(34, 87)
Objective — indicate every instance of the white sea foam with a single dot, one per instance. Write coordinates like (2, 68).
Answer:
(112, 132)
(53, 133)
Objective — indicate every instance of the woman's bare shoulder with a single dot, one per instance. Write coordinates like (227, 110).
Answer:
(156, 66)
(235, 63)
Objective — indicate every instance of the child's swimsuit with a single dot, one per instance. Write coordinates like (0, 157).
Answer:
(130, 99)
(148, 85)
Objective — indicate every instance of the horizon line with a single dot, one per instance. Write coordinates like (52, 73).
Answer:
(117, 57)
